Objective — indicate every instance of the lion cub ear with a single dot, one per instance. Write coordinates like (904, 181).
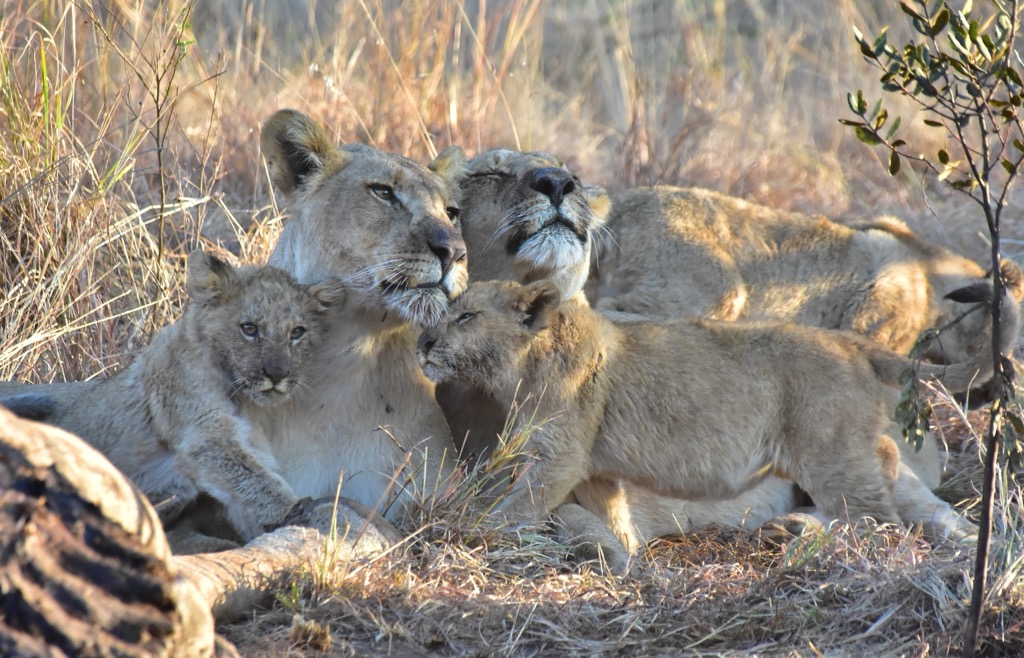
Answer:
(538, 301)
(329, 293)
(208, 276)
(598, 200)
(297, 149)
(450, 165)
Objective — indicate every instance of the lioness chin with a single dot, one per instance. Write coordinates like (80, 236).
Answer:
(689, 408)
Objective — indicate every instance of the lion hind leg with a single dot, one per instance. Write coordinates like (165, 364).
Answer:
(848, 482)
(916, 503)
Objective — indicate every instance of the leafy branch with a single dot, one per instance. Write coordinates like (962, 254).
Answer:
(964, 74)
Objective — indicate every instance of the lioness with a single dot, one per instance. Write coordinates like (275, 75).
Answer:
(506, 176)
(176, 421)
(674, 252)
(689, 408)
(388, 228)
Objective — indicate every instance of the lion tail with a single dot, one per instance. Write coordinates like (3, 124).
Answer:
(960, 376)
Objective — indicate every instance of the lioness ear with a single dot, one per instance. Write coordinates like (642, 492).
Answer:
(450, 165)
(208, 276)
(328, 293)
(538, 301)
(1013, 278)
(296, 149)
(598, 200)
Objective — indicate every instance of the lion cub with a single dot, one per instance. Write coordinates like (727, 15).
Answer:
(688, 408)
(175, 421)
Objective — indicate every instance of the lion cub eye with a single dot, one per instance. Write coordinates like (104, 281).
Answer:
(383, 192)
(453, 214)
(250, 330)
(297, 333)
(465, 317)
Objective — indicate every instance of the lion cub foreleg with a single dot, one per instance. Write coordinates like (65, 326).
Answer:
(217, 454)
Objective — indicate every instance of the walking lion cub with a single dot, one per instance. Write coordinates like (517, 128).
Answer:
(690, 408)
(176, 420)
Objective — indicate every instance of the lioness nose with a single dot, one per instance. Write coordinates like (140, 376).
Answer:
(448, 251)
(552, 182)
(426, 342)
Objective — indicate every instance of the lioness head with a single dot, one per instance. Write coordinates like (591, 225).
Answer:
(526, 217)
(487, 333)
(386, 225)
(260, 324)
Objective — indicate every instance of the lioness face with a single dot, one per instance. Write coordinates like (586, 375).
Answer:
(487, 332)
(525, 217)
(384, 224)
(261, 324)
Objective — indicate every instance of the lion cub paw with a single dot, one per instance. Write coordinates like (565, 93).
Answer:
(790, 525)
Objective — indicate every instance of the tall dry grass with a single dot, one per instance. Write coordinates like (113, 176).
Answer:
(128, 135)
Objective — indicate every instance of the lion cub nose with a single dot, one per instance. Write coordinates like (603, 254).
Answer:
(552, 182)
(275, 372)
(426, 342)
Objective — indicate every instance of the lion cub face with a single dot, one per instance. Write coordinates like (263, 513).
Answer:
(259, 323)
(487, 332)
(526, 217)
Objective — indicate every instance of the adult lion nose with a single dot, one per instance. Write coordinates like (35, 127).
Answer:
(552, 182)
(448, 249)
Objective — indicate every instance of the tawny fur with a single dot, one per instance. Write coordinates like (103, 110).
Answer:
(387, 226)
(643, 247)
(690, 408)
(177, 420)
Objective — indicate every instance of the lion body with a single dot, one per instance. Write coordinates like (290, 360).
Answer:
(690, 409)
(676, 252)
(383, 224)
(177, 420)
(669, 253)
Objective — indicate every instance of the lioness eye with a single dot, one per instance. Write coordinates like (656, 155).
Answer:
(250, 330)
(383, 192)
(453, 213)
(297, 333)
(465, 317)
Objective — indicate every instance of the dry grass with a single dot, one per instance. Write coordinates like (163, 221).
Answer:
(128, 135)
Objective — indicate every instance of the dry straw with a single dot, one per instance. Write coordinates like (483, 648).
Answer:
(128, 134)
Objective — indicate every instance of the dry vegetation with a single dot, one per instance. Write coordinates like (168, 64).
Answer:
(128, 133)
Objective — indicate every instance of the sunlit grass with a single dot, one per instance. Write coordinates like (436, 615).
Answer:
(129, 133)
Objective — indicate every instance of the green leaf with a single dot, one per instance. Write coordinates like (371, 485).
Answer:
(1009, 167)
(968, 5)
(1012, 75)
(875, 109)
(893, 127)
(939, 24)
(932, 123)
(943, 156)
(909, 11)
(866, 136)
(894, 163)
(880, 120)
(898, 143)
(851, 100)
(880, 42)
(1017, 144)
